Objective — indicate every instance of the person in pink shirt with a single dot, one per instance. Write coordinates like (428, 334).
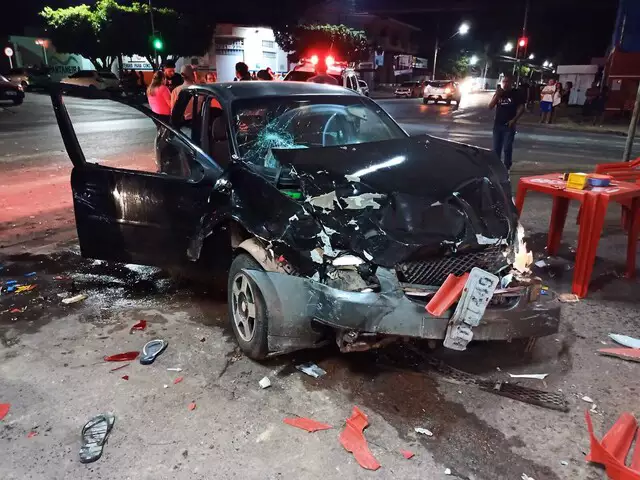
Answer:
(159, 97)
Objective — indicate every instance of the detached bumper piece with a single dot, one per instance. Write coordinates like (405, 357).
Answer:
(300, 310)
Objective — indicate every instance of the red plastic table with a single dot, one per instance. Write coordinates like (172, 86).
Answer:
(594, 208)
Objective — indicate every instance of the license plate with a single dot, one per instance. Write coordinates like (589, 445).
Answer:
(10, 93)
(476, 295)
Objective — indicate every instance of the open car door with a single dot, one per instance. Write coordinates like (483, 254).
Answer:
(133, 215)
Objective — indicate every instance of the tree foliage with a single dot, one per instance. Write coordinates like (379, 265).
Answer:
(108, 29)
(303, 40)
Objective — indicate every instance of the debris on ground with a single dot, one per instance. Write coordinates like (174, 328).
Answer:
(151, 350)
(18, 310)
(407, 454)
(352, 439)
(264, 383)
(94, 436)
(120, 367)
(568, 298)
(30, 274)
(141, 326)
(174, 369)
(533, 376)
(4, 409)
(25, 288)
(526, 477)
(614, 447)
(587, 399)
(423, 431)
(307, 424)
(631, 354)
(122, 357)
(32, 434)
(75, 299)
(311, 369)
(125, 377)
(625, 340)
(532, 396)
(564, 463)
(178, 380)
(447, 471)
(192, 406)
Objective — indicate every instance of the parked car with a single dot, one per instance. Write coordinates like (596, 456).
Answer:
(409, 90)
(93, 79)
(364, 88)
(330, 222)
(30, 77)
(9, 91)
(345, 75)
(442, 91)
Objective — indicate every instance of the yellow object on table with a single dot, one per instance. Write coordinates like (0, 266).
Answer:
(577, 181)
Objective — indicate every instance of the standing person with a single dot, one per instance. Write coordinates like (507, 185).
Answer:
(189, 77)
(242, 72)
(171, 79)
(546, 101)
(210, 78)
(509, 106)
(599, 106)
(557, 101)
(159, 97)
(264, 75)
(321, 75)
(591, 95)
(566, 93)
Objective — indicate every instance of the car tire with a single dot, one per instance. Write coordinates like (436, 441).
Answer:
(17, 102)
(425, 101)
(250, 329)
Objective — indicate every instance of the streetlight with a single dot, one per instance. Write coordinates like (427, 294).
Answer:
(532, 56)
(508, 47)
(550, 64)
(473, 60)
(546, 63)
(463, 29)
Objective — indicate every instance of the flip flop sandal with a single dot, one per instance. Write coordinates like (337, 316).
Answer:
(151, 351)
(94, 436)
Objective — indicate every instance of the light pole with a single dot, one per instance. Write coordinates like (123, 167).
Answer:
(463, 29)
(153, 35)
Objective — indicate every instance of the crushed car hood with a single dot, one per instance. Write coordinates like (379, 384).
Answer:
(387, 201)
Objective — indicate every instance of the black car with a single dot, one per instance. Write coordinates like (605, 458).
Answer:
(329, 221)
(10, 91)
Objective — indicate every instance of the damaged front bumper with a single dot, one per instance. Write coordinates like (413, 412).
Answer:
(300, 309)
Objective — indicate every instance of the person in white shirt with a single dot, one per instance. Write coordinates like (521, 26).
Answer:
(546, 101)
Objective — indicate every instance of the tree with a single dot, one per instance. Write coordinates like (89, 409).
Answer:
(302, 40)
(109, 30)
(458, 67)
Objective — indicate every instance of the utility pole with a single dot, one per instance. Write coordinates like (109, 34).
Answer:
(153, 35)
(435, 59)
(632, 128)
(524, 35)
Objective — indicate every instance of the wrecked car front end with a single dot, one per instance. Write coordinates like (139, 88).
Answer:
(367, 234)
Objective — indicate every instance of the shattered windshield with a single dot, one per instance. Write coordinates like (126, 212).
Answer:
(304, 122)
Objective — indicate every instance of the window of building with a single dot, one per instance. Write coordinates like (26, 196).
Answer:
(268, 44)
(269, 55)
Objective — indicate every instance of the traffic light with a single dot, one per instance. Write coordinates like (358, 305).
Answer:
(157, 43)
(522, 42)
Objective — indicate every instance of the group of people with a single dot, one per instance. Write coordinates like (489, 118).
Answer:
(552, 97)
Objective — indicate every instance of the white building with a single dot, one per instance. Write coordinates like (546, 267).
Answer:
(581, 76)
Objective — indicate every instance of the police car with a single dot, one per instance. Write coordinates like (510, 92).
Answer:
(345, 75)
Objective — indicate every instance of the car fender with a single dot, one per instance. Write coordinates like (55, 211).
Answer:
(266, 258)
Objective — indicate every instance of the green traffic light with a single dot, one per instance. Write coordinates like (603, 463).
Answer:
(157, 44)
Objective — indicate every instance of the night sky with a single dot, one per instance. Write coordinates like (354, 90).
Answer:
(563, 31)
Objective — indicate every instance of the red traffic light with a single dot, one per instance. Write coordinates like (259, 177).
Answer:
(522, 42)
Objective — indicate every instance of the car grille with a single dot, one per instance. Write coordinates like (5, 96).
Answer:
(434, 272)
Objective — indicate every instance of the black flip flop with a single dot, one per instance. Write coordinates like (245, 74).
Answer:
(94, 436)
(151, 350)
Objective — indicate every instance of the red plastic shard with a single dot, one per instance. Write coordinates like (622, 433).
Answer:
(447, 294)
(141, 325)
(352, 439)
(122, 357)
(178, 380)
(632, 354)
(4, 409)
(407, 454)
(125, 377)
(635, 459)
(616, 469)
(618, 439)
(307, 424)
(192, 406)
(32, 434)
(120, 367)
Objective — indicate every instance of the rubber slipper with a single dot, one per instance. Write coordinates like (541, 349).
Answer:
(151, 351)
(94, 436)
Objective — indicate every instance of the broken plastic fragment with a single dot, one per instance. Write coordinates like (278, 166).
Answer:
(32, 434)
(141, 325)
(447, 294)
(174, 369)
(25, 288)
(407, 454)
(352, 439)
(568, 298)
(125, 377)
(4, 409)
(311, 369)
(631, 354)
(77, 298)
(587, 399)
(625, 340)
(264, 383)
(122, 357)
(526, 477)
(423, 431)
(30, 274)
(192, 406)
(447, 471)
(534, 376)
(178, 380)
(120, 367)
(307, 424)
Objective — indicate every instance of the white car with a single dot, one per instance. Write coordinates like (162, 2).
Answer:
(345, 75)
(364, 87)
(93, 79)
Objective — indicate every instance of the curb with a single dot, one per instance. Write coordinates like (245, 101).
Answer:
(575, 129)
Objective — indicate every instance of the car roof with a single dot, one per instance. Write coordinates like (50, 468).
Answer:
(231, 91)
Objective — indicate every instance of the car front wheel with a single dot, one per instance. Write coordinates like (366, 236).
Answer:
(17, 101)
(247, 309)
